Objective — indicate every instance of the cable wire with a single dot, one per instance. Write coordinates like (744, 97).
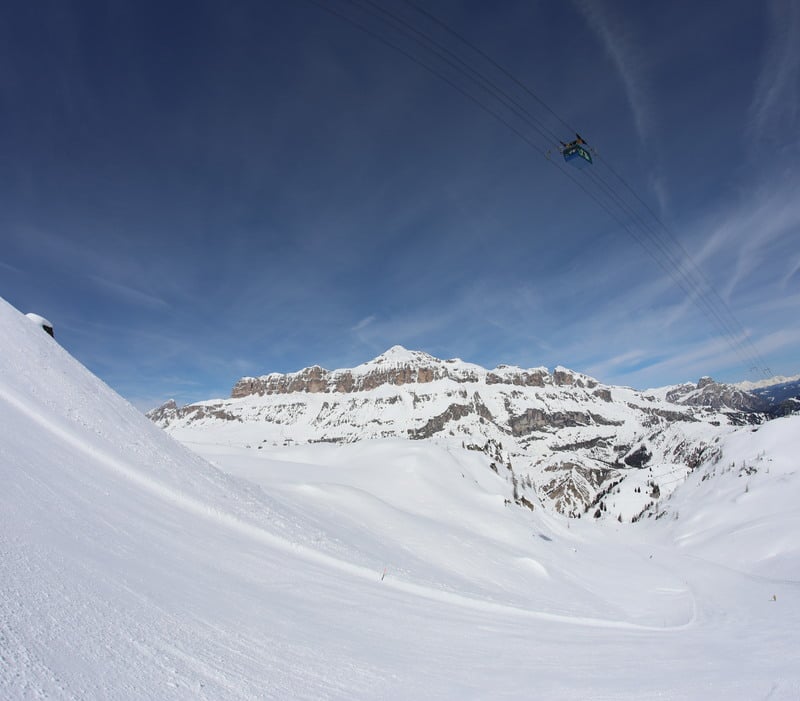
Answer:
(661, 248)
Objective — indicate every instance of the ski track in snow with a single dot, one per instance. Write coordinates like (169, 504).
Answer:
(229, 521)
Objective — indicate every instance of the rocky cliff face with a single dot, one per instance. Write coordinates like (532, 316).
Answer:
(718, 396)
(561, 439)
(398, 367)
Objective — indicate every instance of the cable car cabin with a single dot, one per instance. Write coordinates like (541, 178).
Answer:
(576, 154)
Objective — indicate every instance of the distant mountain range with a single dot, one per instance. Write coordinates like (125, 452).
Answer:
(561, 439)
(781, 394)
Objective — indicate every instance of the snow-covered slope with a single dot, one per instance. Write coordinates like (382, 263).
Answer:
(131, 568)
(742, 508)
(560, 439)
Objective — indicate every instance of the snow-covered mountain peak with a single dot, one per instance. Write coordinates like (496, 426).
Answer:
(401, 366)
(781, 393)
(564, 438)
(400, 355)
(770, 382)
(132, 568)
(709, 393)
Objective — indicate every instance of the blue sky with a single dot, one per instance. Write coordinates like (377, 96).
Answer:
(192, 192)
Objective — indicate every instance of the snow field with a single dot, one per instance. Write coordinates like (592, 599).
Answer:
(131, 568)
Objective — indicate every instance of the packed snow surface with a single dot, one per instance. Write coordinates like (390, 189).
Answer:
(134, 568)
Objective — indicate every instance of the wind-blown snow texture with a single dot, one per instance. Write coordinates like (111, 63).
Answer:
(132, 568)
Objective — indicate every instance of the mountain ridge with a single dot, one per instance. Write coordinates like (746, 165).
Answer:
(133, 567)
(399, 366)
(561, 439)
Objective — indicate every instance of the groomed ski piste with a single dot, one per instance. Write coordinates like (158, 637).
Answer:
(134, 568)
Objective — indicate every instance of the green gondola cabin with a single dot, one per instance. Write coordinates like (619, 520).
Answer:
(577, 154)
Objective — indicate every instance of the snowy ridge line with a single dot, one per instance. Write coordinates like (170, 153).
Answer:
(566, 436)
(198, 508)
(776, 380)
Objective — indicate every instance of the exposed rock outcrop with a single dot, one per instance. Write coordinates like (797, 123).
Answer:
(399, 367)
(569, 440)
(716, 395)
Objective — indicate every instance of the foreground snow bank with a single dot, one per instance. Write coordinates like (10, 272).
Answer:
(742, 509)
(132, 568)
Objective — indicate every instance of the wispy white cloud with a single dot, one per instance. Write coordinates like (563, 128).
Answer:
(629, 337)
(689, 359)
(775, 108)
(659, 187)
(142, 280)
(792, 270)
(128, 293)
(772, 304)
(8, 266)
(363, 323)
(405, 329)
(777, 340)
(687, 362)
(482, 322)
(738, 239)
(629, 59)
(606, 367)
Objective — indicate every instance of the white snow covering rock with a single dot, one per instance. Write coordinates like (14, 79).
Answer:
(561, 439)
(131, 568)
(769, 382)
(41, 321)
(742, 509)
